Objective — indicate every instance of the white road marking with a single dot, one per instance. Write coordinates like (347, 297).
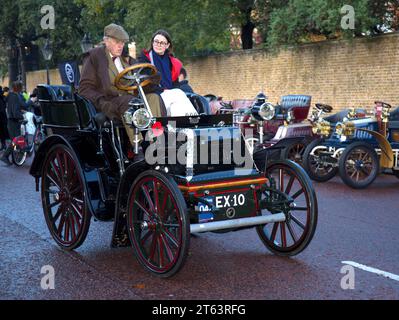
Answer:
(372, 270)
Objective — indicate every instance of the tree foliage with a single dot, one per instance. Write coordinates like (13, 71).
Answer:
(196, 26)
(299, 20)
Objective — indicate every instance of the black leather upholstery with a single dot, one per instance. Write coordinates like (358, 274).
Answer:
(200, 103)
(55, 92)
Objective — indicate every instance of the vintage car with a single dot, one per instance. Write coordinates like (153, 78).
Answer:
(359, 149)
(86, 167)
(285, 127)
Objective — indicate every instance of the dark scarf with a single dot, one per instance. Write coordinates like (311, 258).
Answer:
(162, 63)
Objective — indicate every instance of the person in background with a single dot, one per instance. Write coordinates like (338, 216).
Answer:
(25, 95)
(3, 121)
(15, 107)
(183, 82)
(33, 103)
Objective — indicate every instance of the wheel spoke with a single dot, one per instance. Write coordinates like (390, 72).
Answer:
(300, 209)
(52, 205)
(145, 237)
(48, 175)
(73, 225)
(61, 225)
(298, 193)
(283, 234)
(171, 237)
(141, 206)
(274, 232)
(148, 197)
(289, 185)
(299, 223)
(156, 196)
(169, 252)
(76, 211)
(58, 213)
(67, 228)
(60, 166)
(153, 246)
(161, 257)
(281, 179)
(292, 232)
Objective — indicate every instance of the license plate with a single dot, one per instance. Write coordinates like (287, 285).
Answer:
(230, 200)
(223, 201)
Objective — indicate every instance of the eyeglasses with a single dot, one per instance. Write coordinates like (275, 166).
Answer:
(161, 43)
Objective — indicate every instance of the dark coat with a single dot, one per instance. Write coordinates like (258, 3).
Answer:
(95, 84)
(183, 85)
(15, 105)
(3, 119)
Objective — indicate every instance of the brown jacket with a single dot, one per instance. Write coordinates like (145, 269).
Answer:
(96, 83)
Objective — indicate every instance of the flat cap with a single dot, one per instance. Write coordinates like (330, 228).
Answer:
(117, 32)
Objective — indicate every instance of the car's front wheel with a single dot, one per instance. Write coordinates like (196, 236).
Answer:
(359, 165)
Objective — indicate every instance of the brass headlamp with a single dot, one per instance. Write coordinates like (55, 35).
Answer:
(322, 128)
(345, 129)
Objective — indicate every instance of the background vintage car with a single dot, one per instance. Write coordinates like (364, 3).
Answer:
(359, 149)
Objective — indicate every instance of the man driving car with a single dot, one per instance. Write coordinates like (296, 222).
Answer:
(101, 65)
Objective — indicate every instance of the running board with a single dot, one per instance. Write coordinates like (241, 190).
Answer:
(236, 223)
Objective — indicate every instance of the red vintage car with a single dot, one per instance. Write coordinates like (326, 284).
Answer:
(286, 126)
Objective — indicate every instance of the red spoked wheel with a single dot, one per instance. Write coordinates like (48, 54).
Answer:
(290, 192)
(158, 223)
(64, 198)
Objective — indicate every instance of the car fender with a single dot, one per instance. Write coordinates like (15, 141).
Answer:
(37, 163)
(387, 156)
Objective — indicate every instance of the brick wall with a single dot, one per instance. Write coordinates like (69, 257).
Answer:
(339, 73)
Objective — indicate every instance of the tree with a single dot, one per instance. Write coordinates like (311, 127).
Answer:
(196, 26)
(21, 32)
(299, 20)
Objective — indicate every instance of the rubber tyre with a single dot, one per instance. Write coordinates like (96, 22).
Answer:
(344, 165)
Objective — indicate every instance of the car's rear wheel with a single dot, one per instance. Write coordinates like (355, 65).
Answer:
(317, 164)
(64, 198)
(158, 224)
(359, 165)
(289, 184)
(395, 173)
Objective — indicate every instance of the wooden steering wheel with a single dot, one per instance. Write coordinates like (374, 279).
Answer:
(135, 78)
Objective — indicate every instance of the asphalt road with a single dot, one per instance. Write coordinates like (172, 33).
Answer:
(358, 226)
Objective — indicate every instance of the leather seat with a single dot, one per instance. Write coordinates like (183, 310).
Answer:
(200, 103)
(295, 100)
